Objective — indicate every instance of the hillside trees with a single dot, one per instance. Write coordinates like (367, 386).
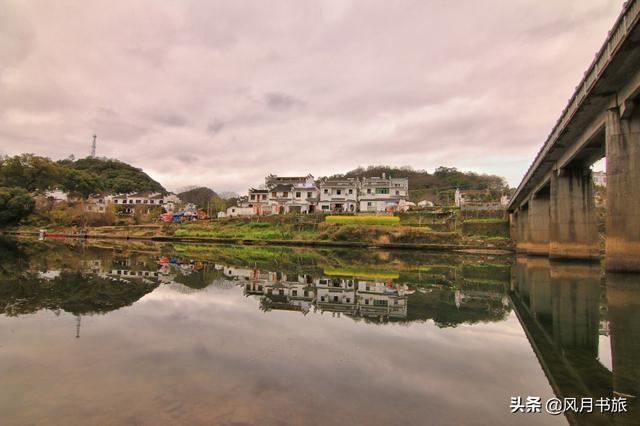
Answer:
(15, 204)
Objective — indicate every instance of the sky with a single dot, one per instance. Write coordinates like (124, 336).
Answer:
(221, 93)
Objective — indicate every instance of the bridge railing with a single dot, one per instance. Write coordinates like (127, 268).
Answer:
(616, 36)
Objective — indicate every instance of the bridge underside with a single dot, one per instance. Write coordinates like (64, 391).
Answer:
(553, 211)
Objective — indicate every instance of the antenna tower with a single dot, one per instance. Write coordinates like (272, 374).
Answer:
(93, 147)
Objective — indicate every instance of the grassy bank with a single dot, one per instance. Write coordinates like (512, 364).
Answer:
(374, 230)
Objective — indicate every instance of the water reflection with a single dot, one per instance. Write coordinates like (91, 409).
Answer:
(565, 310)
(192, 333)
(89, 279)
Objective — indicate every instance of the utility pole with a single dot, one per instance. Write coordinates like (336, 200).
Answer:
(93, 147)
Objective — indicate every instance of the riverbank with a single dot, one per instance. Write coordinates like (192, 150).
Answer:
(463, 248)
(307, 231)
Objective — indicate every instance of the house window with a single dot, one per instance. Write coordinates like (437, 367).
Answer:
(273, 194)
(146, 201)
(309, 194)
(285, 194)
(351, 191)
(115, 201)
(281, 292)
(335, 298)
(338, 191)
(397, 192)
(382, 190)
(294, 292)
(298, 194)
(137, 201)
(348, 300)
(368, 190)
(326, 191)
(253, 196)
(264, 196)
(152, 202)
(325, 207)
(368, 203)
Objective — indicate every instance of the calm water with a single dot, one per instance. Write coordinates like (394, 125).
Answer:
(114, 333)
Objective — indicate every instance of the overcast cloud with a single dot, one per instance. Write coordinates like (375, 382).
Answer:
(221, 93)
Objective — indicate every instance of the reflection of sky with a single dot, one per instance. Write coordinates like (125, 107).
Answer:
(213, 357)
(604, 352)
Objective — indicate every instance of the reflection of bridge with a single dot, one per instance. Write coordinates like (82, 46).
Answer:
(552, 211)
(559, 307)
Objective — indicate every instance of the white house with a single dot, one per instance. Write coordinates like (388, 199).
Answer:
(339, 195)
(379, 194)
(239, 211)
(599, 178)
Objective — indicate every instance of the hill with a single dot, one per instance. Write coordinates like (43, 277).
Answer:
(116, 176)
(202, 197)
(437, 186)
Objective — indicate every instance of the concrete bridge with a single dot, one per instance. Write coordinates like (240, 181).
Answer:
(553, 210)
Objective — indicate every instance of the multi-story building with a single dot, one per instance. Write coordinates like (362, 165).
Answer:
(339, 195)
(378, 194)
(302, 194)
(149, 201)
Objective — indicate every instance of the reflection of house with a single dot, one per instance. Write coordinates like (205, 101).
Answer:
(378, 194)
(330, 294)
(339, 195)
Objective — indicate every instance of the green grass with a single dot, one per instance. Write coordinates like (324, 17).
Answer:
(486, 220)
(364, 220)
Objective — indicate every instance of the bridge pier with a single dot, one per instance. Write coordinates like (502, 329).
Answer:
(538, 243)
(522, 240)
(623, 192)
(623, 296)
(573, 230)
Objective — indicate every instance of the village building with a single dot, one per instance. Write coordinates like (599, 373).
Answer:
(97, 203)
(148, 200)
(302, 194)
(272, 180)
(599, 178)
(258, 200)
(280, 197)
(380, 194)
(304, 198)
(339, 195)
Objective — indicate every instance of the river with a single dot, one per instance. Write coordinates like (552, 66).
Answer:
(95, 332)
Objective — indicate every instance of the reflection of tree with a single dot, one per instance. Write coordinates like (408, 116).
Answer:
(439, 305)
(199, 279)
(72, 292)
(13, 261)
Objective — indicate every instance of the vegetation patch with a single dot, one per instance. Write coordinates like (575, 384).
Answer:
(364, 220)
(361, 273)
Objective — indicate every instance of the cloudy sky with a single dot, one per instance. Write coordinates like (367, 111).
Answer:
(220, 93)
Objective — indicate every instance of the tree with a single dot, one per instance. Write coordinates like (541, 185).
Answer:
(81, 182)
(15, 204)
(30, 172)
